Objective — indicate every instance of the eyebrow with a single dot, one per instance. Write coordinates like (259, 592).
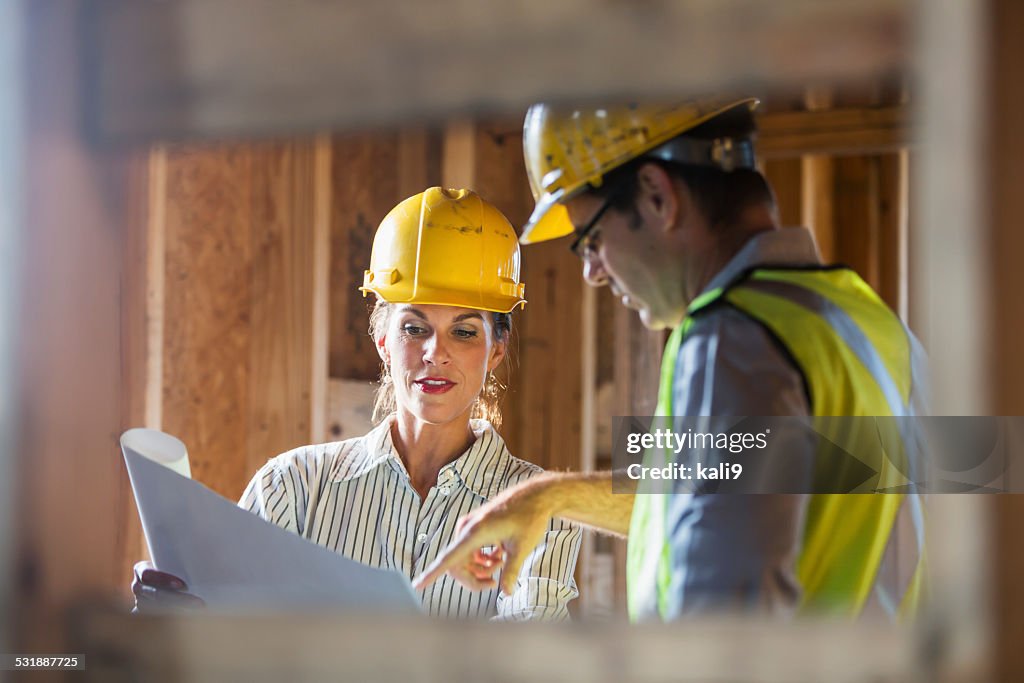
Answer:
(459, 318)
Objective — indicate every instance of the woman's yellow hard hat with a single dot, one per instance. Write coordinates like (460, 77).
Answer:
(446, 247)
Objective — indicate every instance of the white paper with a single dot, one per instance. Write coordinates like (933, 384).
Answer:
(158, 447)
(232, 559)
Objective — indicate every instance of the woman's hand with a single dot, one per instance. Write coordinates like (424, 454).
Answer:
(157, 591)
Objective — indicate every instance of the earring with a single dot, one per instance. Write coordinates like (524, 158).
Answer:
(493, 387)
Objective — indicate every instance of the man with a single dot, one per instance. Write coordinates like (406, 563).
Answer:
(667, 208)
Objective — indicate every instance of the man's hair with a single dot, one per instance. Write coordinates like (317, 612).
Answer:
(721, 196)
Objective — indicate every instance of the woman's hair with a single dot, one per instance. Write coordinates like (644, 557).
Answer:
(488, 403)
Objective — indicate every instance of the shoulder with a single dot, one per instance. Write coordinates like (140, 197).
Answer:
(314, 462)
(495, 468)
(509, 472)
(730, 364)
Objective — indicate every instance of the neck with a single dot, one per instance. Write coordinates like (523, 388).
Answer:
(425, 448)
(724, 242)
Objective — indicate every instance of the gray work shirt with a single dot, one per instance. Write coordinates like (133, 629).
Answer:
(738, 552)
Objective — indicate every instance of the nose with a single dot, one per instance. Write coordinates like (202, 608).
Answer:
(593, 272)
(435, 352)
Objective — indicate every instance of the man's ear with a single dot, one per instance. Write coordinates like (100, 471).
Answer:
(658, 197)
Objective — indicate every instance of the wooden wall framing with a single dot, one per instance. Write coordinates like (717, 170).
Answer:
(75, 393)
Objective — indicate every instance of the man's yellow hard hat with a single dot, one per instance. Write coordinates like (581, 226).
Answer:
(568, 149)
(446, 247)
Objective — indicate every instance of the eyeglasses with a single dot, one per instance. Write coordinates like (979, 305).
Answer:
(583, 245)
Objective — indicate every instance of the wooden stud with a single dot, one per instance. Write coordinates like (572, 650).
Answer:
(500, 180)
(856, 217)
(365, 188)
(320, 279)
(817, 210)
(893, 216)
(141, 330)
(282, 292)
(786, 178)
(1005, 147)
(459, 156)
(244, 291)
(817, 194)
(208, 333)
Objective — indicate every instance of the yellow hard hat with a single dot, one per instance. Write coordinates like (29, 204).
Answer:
(446, 247)
(568, 149)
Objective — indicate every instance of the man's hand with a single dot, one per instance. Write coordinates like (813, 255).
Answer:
(513, 524)
(157, 591)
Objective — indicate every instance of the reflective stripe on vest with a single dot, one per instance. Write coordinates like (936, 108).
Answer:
(858, 360)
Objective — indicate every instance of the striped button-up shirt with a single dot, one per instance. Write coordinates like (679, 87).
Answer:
(354, 497)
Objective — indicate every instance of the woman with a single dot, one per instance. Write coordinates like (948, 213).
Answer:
(445, 270)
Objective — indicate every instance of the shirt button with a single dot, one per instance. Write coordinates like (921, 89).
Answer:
(445, 490)
(422, 538)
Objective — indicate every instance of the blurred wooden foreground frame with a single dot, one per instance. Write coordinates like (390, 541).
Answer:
(224, 68)
(310, 647)
(234, 68)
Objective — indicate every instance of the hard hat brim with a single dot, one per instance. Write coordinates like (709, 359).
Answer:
(549, 220)
(437, 297)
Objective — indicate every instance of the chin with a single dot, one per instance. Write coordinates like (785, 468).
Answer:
(438, 415)
(649, 321)
(661, 321)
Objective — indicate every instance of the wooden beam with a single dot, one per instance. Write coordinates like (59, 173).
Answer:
(1005, 147)
(951, 297)
(271, 647)
(13, 154)
(69, 402)
(834, 132)
(160, 70)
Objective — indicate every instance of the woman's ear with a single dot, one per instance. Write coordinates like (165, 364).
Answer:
(497, 354)
(382, 350)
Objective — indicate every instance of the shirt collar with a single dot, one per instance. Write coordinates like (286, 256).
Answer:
(783, 247)
(480, 468)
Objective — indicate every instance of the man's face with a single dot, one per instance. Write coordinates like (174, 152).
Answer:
(636, 258)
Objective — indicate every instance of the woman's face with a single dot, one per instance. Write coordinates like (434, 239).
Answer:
(439, 357)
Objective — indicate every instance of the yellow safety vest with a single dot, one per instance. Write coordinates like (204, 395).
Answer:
(857, 359)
